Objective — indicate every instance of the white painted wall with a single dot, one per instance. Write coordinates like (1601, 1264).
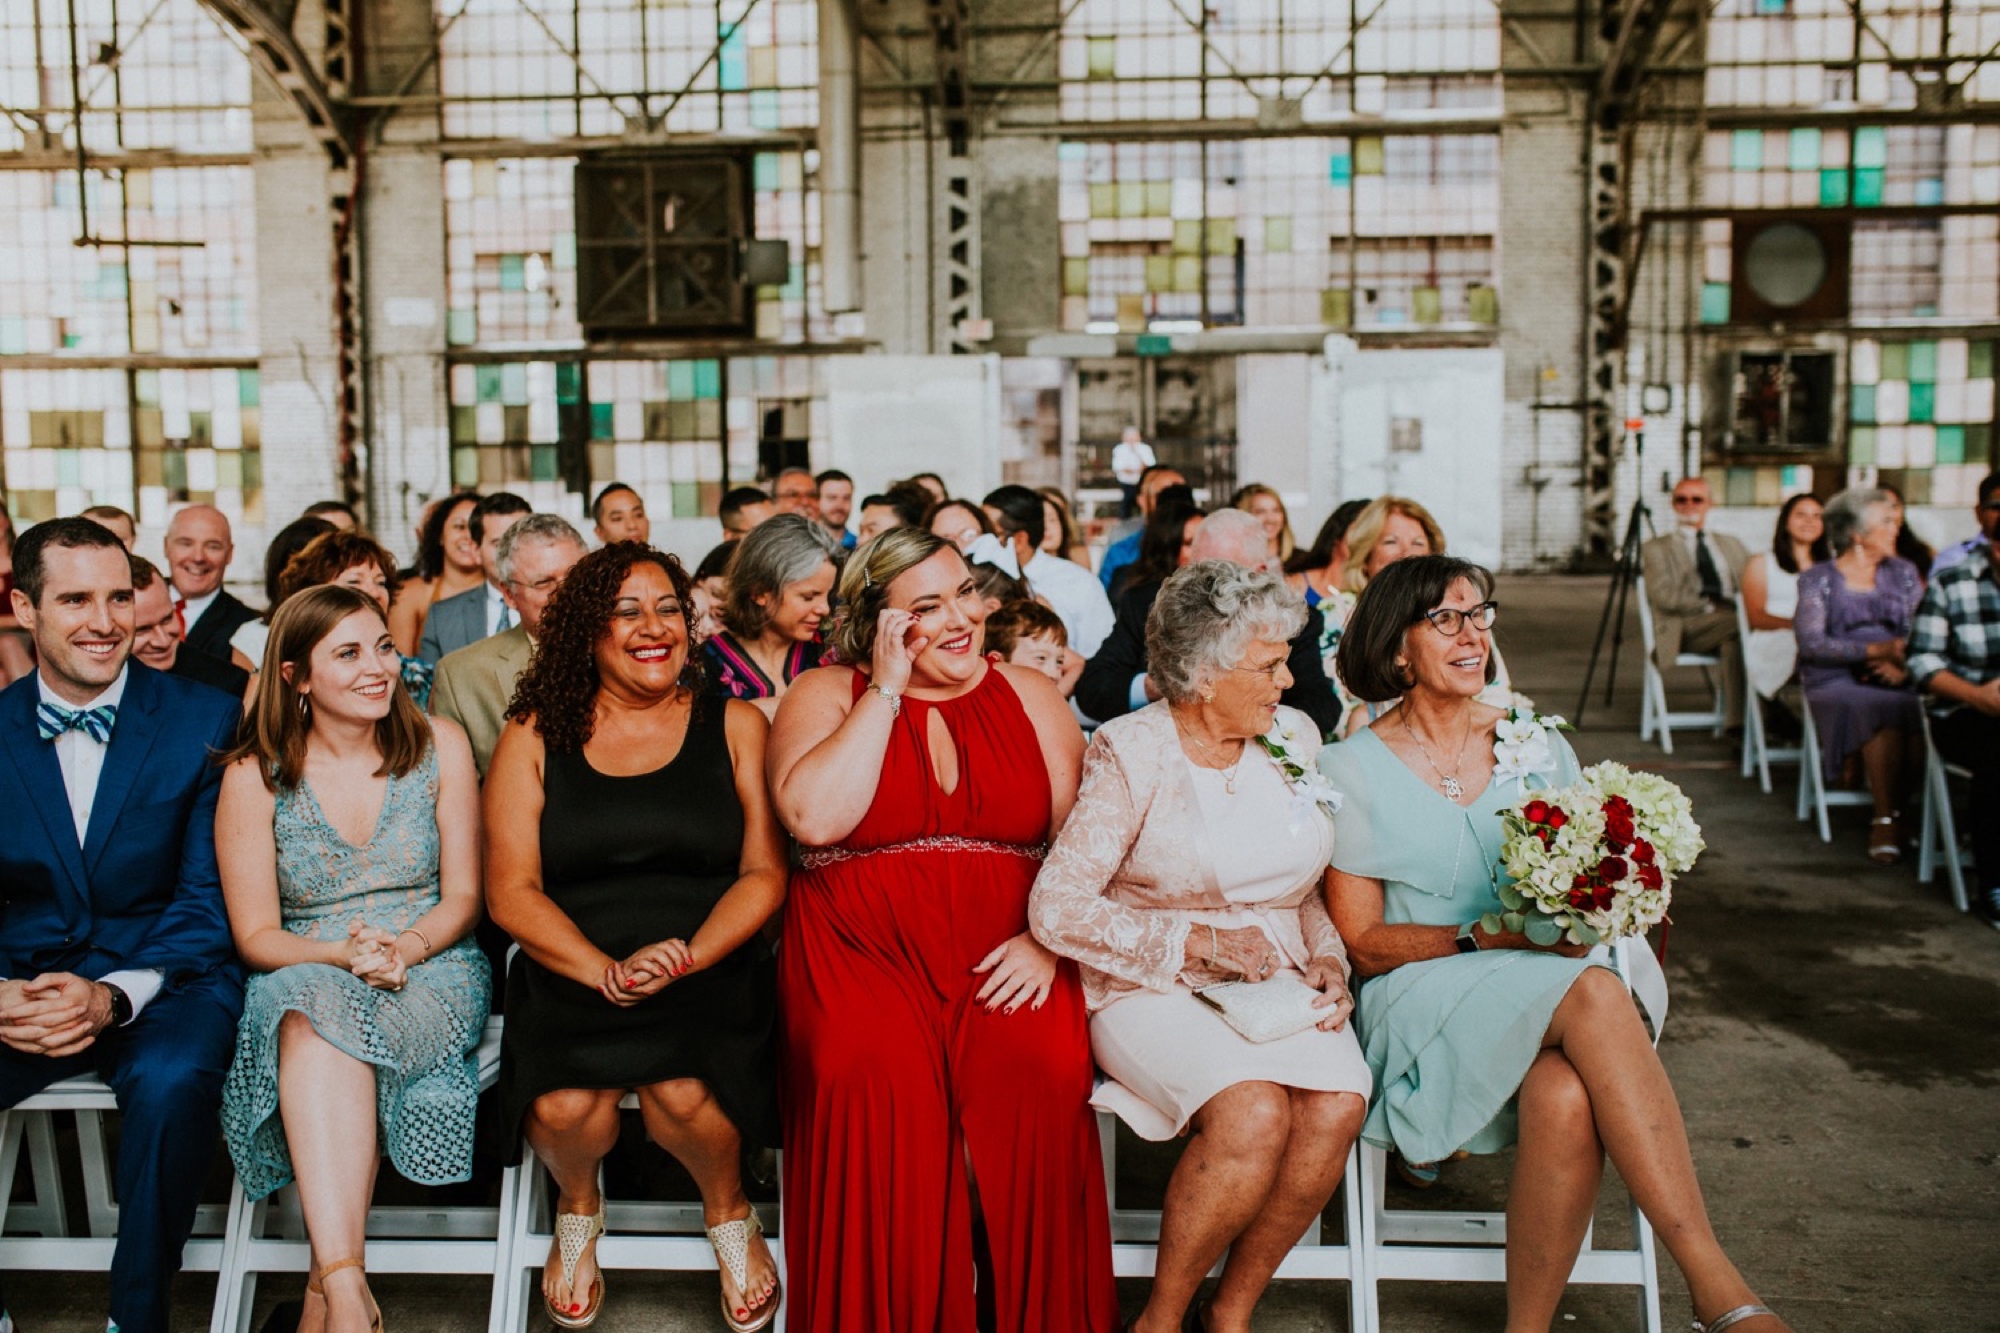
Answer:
(897, 415)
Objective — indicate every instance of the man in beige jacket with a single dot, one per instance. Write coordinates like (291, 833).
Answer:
(475, 683)
(1692, 578)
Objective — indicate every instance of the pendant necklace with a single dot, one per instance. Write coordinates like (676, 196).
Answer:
(1228, 773)
(1448, 781)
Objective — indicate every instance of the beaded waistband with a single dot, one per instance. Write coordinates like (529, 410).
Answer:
(815, 857)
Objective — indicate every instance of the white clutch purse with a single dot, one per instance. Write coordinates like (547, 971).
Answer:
(1265, 1010)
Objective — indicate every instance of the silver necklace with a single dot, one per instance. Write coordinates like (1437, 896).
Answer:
(1228, 772)
(1448, 781)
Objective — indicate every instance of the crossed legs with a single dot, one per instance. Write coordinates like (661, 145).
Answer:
(1261, 1162)
(1598, 1087)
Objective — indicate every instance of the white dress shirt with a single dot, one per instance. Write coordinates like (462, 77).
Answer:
(192, 607)
(1075, 595)
(82, 760)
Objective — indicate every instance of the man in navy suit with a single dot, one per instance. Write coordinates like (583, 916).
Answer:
(114, 944)
(477, 613)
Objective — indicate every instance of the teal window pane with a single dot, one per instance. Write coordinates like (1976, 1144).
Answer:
(680, 379)
(1979, 361)
(1923, 361)
(764, 171)
(1341, 169)
(1871, 146)
(687, 499)
(1930, 190)
(1715, 303)
(1861, 446)
(1803, 150)
(1772, 6)
(1863, 408)
(563, 249)
(708, 379)
(465, 468)
(513, 273)
(734, 66)
(1895, 361)
(1746, 150)
(1951, 444)
(1833, 187)
(488, 378)
(1923, 402)
(13, 337)
(764, 108)
(514, 384)
(249, 390)
(795, 284)
(461, 329)
(69, 467)
(600, 421)
(1868, 187)
(542, 463)
(569, 382)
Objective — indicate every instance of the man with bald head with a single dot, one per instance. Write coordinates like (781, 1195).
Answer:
(199, 549)
(1115, 680)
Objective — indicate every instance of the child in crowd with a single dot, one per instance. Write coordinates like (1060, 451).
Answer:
(1030, 634)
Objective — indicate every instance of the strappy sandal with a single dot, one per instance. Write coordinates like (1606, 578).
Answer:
(1885, 840)
(573, 1232)
(731, 1241)
(1733, 1317)
(316, 1286)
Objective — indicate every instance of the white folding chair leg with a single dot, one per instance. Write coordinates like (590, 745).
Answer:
(45, 1214)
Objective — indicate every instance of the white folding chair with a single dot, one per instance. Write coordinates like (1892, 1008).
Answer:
(1814, 798)
(51, 1247)
(1758, 752)
(401, 1238)
(1938, 842)
(1408, 1245)
(1135, 1235)
(1653, 711)
(642, 1234)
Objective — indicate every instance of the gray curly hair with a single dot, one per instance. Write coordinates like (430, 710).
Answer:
(1205, 619)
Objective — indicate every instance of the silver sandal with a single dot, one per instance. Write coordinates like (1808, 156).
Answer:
(732, 1250)
(1732, 1318)
(573, 1232)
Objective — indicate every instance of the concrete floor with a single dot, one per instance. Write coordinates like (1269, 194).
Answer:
(1832, 1040)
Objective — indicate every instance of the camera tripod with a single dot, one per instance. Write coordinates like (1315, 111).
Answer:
(1638, 527)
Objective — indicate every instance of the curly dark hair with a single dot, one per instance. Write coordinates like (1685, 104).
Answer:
(558, 692)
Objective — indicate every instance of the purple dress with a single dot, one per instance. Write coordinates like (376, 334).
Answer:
(1835, 624)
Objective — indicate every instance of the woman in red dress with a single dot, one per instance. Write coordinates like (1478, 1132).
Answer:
(935, 1057)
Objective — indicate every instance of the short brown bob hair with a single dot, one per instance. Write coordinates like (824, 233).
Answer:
(331, 554)
(275, 728)
(1394, 601)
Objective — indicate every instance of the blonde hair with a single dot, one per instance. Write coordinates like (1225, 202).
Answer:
(1366, 531)
(864, 585)
(277, 725)
(1241, 500)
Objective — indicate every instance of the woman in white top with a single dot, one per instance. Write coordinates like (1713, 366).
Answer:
(1771, 593)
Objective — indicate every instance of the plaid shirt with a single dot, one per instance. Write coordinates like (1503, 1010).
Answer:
(1957, 626)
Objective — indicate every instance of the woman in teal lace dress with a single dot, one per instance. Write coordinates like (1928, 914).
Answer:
(1476, 1039)
(348, 839)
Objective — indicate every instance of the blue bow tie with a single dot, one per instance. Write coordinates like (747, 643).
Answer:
(54, 719)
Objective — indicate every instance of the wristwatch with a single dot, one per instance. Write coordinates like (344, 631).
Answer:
(121, 1005)
(1467, 942)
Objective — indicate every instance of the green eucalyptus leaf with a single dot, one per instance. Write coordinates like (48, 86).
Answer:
(1544, 930)
(1491, 924)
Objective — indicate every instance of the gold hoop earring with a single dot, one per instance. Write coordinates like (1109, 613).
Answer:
(1208, 694)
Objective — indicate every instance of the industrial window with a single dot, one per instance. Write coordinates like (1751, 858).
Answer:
(1809, 53)
(1921, 415)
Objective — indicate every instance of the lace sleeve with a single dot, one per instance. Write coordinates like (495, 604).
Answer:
(1322, 939)
(1816, 645)
(1069, 912)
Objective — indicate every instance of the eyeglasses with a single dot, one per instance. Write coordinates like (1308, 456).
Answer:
(1449, 620)
(1690, 501)
(1268, 672)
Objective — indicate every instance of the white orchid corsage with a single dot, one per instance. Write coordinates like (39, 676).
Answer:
(1310, 789)
(1524, 744)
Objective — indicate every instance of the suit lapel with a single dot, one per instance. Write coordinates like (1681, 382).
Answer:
(131, 739)
(41, 774)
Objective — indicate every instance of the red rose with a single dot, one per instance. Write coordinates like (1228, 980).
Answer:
(1650, 876)
(1605, 895)
(1545, 833)
(1618, 806)
(1611, 869)
(1618, 831)
(1581, 898)
(1556, 817)
(1582, 882)
(1536, 812)
(1642, 852)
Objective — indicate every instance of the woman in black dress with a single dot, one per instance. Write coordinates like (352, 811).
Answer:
(630, 849)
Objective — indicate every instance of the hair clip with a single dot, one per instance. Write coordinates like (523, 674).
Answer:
(867, 576)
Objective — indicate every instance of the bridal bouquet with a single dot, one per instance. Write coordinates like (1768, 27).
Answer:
(1595, 860)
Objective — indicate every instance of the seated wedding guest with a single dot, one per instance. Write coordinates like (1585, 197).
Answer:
(1909, 546)
(1164, 541)
(928, 1041)
(1317, 572)
(1853, 618)
(156, 637)
(348, 839)
(1016, 513)
(355, 560)
(121, 523)
(901, 506)
(447, 565)
(475, 684)
(618, 514)
(480, 612)
(1771, 593)
(959, 522)
(1192, 858)
(836, 502)
(632, 852)
(16, 658)
(250, 637)
(793, 491)
(113, 941)
(711, 592)
(199, 547)
(1117, 680)
(1971, 546)
(1480, 1040)
(1125, 541)
(742, 509)
(1026, 633)
(1954, 654)
(1264, 504)
(1060, 534)
(1691, 577)
(337, 512)
(780, 592)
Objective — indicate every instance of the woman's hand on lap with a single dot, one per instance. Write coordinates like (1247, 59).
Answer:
(1023, 972)
(1326, 977)
(1237, 953)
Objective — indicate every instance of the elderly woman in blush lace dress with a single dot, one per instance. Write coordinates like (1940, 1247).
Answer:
(1195, 857)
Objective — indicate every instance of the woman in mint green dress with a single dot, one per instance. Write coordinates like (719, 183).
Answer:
(1478, 1040)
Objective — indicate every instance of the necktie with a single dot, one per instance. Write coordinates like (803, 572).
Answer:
(181, 615)
(1704, 568)
(506, 621)
(52, 720)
